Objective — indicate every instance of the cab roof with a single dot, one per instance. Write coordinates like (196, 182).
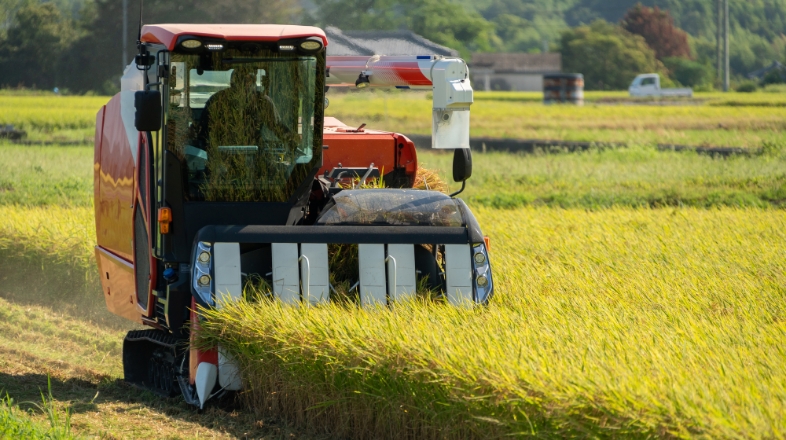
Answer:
(167, 34)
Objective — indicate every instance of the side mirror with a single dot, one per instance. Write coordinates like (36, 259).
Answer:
(144, 60)
(148, 110)
(462, 164)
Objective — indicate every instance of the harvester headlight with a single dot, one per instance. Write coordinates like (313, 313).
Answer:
(286, 47)
(214, 46)
(191, 44)
(201, 273)
(311, 45)
(484, 286)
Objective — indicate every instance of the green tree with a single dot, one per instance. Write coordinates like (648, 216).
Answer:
(607, 55)
(689, 73)
(32, 52)
(99, 49)
(441, 21)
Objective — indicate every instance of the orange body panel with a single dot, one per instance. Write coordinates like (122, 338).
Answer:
(117, 283)
(116, 192)
(97, 161)
(114, 205)
(387, 151)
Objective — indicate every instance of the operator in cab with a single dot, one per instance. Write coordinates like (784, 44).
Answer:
(240, 114)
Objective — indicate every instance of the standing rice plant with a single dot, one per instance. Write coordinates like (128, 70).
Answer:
(617, 323)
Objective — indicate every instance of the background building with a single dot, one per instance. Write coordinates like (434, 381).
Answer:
(400, 42)
(512, 71)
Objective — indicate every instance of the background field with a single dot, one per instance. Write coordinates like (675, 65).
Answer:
(747, 120)
(639, 293)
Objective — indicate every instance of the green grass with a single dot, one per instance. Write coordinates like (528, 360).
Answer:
(16, 424)
(618, 323)
(33, 176)
(635, 177)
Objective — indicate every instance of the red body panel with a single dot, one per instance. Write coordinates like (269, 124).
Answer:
(385, 72)
(167, 34)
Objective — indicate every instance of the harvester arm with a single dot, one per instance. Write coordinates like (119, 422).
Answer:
(448, 78)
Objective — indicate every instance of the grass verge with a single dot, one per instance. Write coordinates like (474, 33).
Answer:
(16, 424)
(617, 323)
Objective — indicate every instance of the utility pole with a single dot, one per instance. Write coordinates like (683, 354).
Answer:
(124, 54)
(725, 45)
(718, 39)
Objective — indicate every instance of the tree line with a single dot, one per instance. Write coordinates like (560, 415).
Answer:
(77, 44)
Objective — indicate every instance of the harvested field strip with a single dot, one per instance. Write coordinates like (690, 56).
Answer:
(83, 362)
(612, 323)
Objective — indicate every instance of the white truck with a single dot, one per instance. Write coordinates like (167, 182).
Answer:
(648, 84)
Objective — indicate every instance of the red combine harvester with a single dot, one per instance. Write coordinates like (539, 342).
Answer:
(215, 165)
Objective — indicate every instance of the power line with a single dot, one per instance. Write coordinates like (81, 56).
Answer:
(725, 45)
(125, 34)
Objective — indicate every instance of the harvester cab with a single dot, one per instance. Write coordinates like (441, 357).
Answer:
(217, 173)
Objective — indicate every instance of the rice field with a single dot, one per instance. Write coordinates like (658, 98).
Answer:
(71, 118)
(616, 323)
(639, 293)
(747, 120)
(738, 121)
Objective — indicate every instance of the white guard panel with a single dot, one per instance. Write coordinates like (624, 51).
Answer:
(401, 274)
(458, 265)
(450, 129)
(372, 274)
(314, 271)
(228, 373)
(286, 276)
(205, 381)
(226, 258)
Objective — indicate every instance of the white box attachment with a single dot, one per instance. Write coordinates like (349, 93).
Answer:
(314, 272)
(371, 258)
(286, 276)
(226, 258)
(458, 265)
(401, 271)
